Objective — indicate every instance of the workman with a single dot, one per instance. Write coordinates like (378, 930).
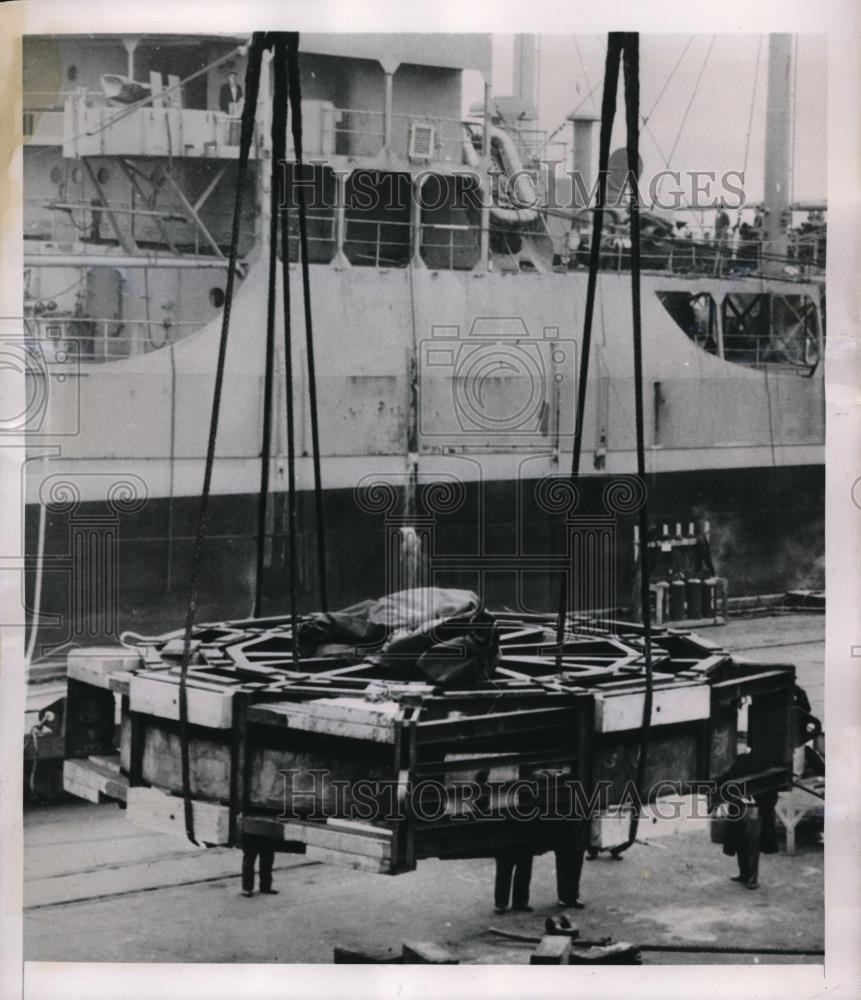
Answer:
(752, 833)
(516, 863)
(569, 866)
(252, 848)
(230, 94)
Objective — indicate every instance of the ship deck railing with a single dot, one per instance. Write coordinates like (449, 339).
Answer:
(708, 258)
(91, 340)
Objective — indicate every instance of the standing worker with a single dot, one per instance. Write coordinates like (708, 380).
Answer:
(252, 848)
(515, 862)
(569, 866)
(230, 93)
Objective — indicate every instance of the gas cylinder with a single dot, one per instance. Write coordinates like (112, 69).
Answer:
(708, 589)
(677, 599)
(661, 590)
(694, 594)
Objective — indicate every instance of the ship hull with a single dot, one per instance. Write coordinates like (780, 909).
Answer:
(106, 570)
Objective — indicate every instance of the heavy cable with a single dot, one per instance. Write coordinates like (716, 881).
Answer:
(280, 98)
(268, 371)
(252, 86)
(631, 68)
(295, 96)
(608, 110)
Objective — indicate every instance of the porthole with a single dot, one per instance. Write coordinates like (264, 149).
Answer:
(102, 175)
(72, 73)
(56, 175)
(216, 297)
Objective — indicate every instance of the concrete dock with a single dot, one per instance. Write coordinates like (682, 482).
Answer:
(99, 889)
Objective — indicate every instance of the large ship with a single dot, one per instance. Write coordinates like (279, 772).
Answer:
(447, 294)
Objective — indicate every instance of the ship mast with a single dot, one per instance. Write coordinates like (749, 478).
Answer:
(778, 137)
(525, 66)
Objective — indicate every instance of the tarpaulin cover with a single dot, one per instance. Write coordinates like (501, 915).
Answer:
(429, 633)
(410, 609)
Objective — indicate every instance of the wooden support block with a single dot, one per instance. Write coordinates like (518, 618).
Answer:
(554, 949)
(356, 956)
(120, 681)
(345, 859)
(426, 953)
(332, 838)
(95, 664)
(156, 810)
(158, 695)
(349, 718)
(616, 713)
(80, 791)
(94, 779)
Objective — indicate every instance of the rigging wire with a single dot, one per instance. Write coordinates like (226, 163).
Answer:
(608, 108)
(295, 97)
(583, 65)
(752, 104)
(252, 86)
(645, 118)
(631, 67)
(622, 47)
(692, 97)
(279, 153)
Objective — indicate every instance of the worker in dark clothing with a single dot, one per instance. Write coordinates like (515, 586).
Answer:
(753, 834)
(252, 848)
(517, 863)
(569, 866)
(230, 93)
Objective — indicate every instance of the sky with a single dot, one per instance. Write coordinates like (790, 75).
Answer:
(715, 131)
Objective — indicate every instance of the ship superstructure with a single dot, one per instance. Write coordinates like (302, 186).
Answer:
(448, 302)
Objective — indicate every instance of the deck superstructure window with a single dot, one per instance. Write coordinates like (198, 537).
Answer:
(320, 199)
(696, 314)
(771, 328)
(377, 231)
(451, 219)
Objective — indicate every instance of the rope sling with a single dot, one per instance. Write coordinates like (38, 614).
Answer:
(284, 46)
(622, 47)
